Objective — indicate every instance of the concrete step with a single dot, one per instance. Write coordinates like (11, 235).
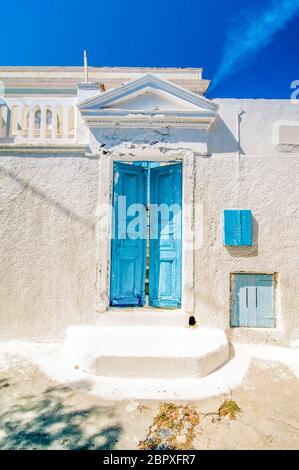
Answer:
(146, 316)
(146, 351)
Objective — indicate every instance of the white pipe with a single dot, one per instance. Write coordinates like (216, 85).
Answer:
(85, 67)
(239, 120)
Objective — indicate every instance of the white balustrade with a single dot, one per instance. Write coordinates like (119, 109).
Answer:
(40, 122)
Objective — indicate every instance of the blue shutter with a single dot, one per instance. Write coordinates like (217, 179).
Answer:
(127, 252)
(264, 301)
(165, 273)
(232, 228)
(252, 300)
(237, 228)
(246, 228)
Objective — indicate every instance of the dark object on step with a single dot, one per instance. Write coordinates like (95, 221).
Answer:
(192, 321)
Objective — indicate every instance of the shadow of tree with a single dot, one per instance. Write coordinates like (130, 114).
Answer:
(45, 198)
(47, 421)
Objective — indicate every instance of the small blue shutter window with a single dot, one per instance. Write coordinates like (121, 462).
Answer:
(237, 228)
(252, 300)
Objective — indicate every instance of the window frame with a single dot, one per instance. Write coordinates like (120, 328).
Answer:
(233, 275)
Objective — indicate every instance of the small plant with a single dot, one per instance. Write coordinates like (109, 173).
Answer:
(173, 428)
(4, 384)
(229, 408)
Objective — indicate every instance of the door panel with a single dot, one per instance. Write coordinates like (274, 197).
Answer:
(128, 247)
(165, 274)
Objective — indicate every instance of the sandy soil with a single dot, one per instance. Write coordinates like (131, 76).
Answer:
(38, 413)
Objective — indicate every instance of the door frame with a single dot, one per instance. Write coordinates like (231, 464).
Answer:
(104, 222)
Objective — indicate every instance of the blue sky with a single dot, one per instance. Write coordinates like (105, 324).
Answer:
(250, 47)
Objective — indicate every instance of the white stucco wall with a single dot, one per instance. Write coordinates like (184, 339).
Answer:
(50, 260)
(47, 243)
(262, 179)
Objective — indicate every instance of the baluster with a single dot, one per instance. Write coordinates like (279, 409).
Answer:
(43, 122)
(54, 122)
(65, 124)
(19, 121)
(31, 123)
(1, 114)
(8, 123)
(71, 121)
(3, 121)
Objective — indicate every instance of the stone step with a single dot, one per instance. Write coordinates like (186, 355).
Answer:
(145, 316)
(146, 351)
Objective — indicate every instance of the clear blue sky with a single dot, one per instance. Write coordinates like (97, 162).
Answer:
(228, 38)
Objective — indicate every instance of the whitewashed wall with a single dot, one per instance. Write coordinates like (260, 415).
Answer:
(49, 259)
(47, 243)
(262, 179)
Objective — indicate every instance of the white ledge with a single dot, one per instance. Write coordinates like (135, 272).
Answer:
(30, 148)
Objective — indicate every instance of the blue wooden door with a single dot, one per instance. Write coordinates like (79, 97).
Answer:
(252, 300)
(165, 267)
(128, 248)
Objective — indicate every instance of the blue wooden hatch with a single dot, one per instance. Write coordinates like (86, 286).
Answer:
(252, 300)
(237, 228)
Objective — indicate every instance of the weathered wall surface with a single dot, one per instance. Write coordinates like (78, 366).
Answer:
(48, 248)
(47, 244)
(262, 179)
(269, 187)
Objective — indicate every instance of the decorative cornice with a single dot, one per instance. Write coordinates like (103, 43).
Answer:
(65, 79)
(147, 122)
(115, 113)
(19, 148)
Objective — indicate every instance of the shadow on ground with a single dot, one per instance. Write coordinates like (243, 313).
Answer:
(47, 421)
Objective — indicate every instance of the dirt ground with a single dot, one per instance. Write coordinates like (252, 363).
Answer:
(37, 413)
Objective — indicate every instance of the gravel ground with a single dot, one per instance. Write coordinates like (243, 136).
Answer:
(38, 413)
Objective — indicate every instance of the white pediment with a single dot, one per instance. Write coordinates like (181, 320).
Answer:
(148, 101)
